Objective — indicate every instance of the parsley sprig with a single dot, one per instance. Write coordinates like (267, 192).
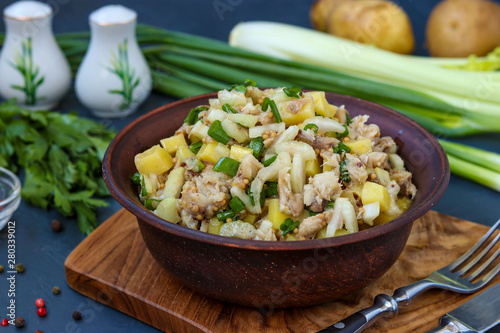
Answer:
(61, 155)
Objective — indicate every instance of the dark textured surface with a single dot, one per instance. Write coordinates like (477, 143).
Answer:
(43, 252)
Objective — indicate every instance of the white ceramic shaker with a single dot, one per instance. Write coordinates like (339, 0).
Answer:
(33, 68)
(114, 78)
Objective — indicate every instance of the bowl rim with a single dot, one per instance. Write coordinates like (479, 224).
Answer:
(146, 216)
(15, 186)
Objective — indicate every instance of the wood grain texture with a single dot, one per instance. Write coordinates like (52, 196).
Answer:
(113, 266)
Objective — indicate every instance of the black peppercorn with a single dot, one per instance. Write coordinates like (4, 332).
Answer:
(56, 226)
(20, 268)
(77, 315)
(56, 290)
(19, 322)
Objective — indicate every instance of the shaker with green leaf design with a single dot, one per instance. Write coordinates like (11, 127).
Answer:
(33, 69)
(114, 78)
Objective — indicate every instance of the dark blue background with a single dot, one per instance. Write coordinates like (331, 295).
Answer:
(44, 252)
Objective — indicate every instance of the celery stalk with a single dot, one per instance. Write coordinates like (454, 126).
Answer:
(317, 48)
(474, 172)
(477, 156)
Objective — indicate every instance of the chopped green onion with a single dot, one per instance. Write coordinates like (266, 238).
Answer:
(144, 191)
(236, 205)
(348, 119)
(288, 226)
(149, 203)
(192, 117)
(243, 87)
(341, 148)
(274, 109)
(292, 92)
(228, 108)
(257, 145)
(271, 189)
(344, 133)
(217, 133)
(228, 166)
(330, 205)
(269, 161)
(198, 165)
(136, 178)
(195, 147)
(314, 127)
(227, 214)
(344, 172)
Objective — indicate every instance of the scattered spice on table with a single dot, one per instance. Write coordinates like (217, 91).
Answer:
(56, 225)
(41, 312)
(40, 303)
(56, 290)
(19, 322)
(38, 331)
(1, 269)
(20, 268)
(77, 315)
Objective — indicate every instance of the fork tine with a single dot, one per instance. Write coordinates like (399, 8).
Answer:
(488, 277)
(484, 266)
(479, 257)
(473, 249)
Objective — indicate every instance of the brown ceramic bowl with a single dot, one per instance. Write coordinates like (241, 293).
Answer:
(272, 275)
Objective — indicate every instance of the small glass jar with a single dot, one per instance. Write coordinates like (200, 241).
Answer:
(33, 68)
(10, 195)
(114, 77)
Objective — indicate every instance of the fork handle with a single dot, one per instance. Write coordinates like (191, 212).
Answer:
(383, 306)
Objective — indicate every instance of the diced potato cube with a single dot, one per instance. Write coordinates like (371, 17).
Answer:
(382, 218)
(290, 237)
(173, 185)
(250, 218)
(327, 167)
(154, 160)
(383, 176)
(360, 146)
(214, 226)
(275, 215)
(238, 152)
(403, 203)
(182, 153)
(312, 167)
(290, 116)
(213, 151)
(321, 106)
(173, 143)
(373, 192)
(167, 209)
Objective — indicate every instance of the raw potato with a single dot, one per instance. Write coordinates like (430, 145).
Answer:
(459, 28)
(378, 22)
(321, 10)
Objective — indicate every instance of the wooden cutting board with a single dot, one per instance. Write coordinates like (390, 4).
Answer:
(113, 266)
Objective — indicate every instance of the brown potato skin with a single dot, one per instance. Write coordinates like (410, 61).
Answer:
(459, 28)
(321, 10)
(378, 22)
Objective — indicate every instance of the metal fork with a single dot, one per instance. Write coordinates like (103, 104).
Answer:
(448, 278)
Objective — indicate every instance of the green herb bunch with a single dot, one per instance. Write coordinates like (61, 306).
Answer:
(61, 155)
